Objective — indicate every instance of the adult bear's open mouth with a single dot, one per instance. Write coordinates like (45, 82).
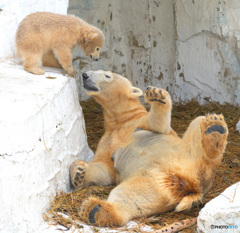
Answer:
(89, 88)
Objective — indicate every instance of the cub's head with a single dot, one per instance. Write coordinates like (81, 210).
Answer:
(93, 43)
(107, 87)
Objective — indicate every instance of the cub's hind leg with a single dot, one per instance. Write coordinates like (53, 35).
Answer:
(32, 62)
(30, 49)
(159, 117)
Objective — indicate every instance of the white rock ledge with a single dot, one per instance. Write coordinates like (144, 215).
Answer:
(42, 132)
(238, 126)
(221, 214)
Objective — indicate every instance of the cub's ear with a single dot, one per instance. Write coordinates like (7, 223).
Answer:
(93, 36)
(136, 92)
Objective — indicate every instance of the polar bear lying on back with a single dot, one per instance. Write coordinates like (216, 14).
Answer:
(49, 38)
(157, 171)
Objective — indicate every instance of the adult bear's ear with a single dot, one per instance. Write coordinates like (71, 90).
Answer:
(136, 92)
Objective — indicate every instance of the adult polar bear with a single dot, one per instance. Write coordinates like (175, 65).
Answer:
(123, 113)
(157, 171)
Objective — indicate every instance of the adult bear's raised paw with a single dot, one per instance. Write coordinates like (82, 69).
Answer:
(154, 94)
(214, 134)
(214, 123)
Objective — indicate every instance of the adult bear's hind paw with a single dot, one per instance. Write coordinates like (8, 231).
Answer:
(99, 213)
(214, 134)
(214, 123)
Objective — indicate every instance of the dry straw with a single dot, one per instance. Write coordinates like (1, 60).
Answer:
(227, 174)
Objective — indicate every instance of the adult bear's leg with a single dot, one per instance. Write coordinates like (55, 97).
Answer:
(135, 197)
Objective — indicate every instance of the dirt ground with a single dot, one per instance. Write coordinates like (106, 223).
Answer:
(227, 174)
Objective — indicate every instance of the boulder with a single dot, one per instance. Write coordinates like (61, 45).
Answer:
(42, 133)
(221, 214)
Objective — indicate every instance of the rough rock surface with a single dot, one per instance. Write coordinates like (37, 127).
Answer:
(221, 214)
(189, 47)
(42, 133)
(139, 43)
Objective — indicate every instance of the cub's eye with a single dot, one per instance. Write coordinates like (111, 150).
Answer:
(107, 76)
(97, 48)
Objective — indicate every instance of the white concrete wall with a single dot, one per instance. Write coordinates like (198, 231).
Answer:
(190, 47)
(139, 39)
(207, 45)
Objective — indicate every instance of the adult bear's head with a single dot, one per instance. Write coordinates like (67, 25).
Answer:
(109, 88)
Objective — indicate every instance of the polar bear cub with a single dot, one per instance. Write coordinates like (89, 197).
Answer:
(49, 38)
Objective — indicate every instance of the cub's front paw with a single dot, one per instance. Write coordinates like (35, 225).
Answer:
(71, 71)
(154, 94)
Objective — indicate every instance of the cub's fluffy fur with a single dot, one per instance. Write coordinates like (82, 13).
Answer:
(49, 38)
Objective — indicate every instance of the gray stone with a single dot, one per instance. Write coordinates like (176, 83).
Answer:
(221, 214)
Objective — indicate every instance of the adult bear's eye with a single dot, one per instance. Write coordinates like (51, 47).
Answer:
(107, 76)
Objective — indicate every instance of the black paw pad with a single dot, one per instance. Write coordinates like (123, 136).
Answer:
(216, 128)
(160, 101)
(92, 213)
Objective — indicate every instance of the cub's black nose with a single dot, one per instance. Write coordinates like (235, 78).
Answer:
(85, 76)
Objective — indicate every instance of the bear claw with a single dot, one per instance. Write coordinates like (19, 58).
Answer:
(154, 94)
(78, 178)
(78, 173)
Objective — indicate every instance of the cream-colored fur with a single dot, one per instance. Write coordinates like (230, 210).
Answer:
(49, 38)
(157, 171)
(123, 113)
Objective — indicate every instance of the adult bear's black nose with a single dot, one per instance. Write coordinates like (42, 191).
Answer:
(85, 76)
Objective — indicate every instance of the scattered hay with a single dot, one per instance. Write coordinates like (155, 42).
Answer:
(68, 204)
(227, 174)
